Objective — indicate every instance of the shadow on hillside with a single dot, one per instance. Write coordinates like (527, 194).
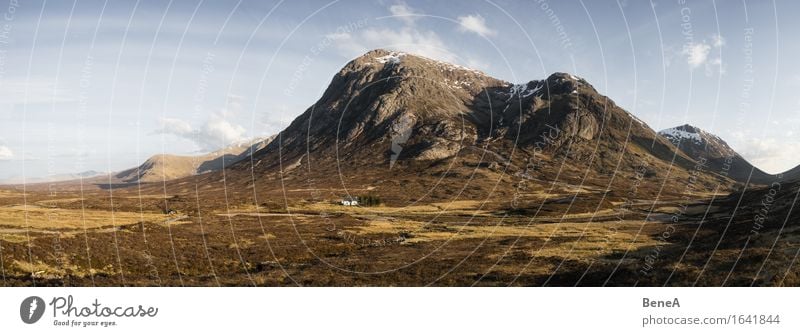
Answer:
(114, 186)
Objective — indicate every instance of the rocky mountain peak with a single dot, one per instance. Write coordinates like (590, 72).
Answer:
(704, 146)
(397, 67)
(687, 135)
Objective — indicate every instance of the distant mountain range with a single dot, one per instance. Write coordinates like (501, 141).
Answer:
(53, 178)
(389, 113)
(160, 167)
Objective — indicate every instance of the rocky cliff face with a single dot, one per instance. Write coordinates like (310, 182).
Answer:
(384, 95)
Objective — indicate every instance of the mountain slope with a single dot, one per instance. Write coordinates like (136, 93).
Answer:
(164, 167)
(701, 145)
(389, 116)
(53, 178)
(792, 174)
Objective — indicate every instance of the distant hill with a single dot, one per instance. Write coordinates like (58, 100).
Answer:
(721, 158)
(164, 167)
(53, 178)
(157, 168)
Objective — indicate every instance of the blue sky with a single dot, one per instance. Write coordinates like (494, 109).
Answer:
(104, 85)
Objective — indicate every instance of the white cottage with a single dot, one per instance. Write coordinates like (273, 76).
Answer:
(350, 201)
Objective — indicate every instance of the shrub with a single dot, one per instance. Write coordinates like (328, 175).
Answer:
(369, 200)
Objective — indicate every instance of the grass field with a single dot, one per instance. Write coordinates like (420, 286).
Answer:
(41, 217)
(93, 239)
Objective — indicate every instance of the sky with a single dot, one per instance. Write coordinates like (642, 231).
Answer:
(103, 85)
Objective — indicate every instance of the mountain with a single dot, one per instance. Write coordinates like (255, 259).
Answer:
(158, 168)
(164, 167)
(792, 174)
(701, 145)
(394, 118)
(53, 178)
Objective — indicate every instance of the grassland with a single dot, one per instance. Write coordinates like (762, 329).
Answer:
(52, 217)
(96, 239)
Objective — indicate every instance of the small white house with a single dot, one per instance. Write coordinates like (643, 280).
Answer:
(350, 201)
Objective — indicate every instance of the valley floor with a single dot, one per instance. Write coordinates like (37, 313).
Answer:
(134, 239)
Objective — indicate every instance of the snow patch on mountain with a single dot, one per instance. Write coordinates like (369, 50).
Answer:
(450, 67)
(393, 58)
(688, 136)
(640, 121)
(523, 90)
(676, 133)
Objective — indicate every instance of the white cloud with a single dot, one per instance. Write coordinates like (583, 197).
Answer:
(770, 154)
(425, 43)
(218, 132)
(6, 153)
(408, 39)
(475, 24)
(403, 12)
(215, 133)
(175, 126)
(716, 64)
(696, 54)
(717, 41)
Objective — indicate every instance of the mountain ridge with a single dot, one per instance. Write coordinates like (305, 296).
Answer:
(419, 116)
